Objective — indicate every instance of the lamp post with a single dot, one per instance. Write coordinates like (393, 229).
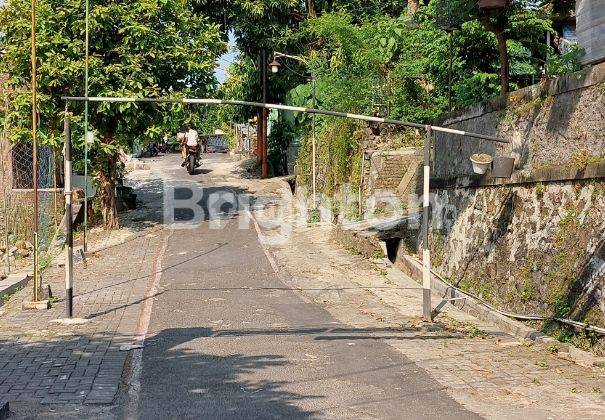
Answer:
(275, 66)
(264, 117)
(449, 25)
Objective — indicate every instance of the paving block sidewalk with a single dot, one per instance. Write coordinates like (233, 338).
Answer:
(487, 371)
(45, 362)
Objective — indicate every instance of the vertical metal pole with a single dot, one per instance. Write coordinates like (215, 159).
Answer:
(247, 142)
(55, 201)
(35, 144)
(426, 255)
(86, 55)
(68, 219)
(450, 35)
(264, 111)
(3, 139)
(314, 148)
(259, 116)
(259, 137)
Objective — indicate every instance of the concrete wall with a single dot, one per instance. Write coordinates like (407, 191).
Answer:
(534, 243)
(548, 125)
(392, 162)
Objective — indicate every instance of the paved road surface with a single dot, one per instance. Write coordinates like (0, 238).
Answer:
(228, 339)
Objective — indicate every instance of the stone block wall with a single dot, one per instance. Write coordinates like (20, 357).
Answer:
(534, 243)
(395, 171)
(533, 249)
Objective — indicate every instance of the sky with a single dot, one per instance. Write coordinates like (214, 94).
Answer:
(224, 60)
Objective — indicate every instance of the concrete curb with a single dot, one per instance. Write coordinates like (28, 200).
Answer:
(515, 328)
(364, 242)
(13, 283)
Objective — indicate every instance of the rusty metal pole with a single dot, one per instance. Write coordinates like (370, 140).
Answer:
(264, 164)
(259, 137)
(86, 62)
(35, 145)
(259, 118)
(3, 139)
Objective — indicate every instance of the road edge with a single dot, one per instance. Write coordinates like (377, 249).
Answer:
(131, 374)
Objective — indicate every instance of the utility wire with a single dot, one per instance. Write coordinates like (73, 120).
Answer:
(571, 322)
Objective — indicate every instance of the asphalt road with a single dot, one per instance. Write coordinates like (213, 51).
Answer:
(228, 339)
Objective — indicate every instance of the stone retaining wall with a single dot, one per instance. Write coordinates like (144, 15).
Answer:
(534, 244)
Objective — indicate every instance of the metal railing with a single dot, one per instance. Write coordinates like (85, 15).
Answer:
(428, 138)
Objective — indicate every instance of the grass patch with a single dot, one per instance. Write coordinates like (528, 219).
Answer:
(314, 216)
(543, 363)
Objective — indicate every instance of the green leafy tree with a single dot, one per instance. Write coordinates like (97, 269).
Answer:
(142, 48)
(519, 21)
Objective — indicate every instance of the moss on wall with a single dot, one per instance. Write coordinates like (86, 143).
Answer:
(533, 250)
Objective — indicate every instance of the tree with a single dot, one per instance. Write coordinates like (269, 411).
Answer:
(513, 21)
(497, 22)
(142, 48)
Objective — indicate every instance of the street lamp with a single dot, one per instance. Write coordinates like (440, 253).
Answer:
(275, 66)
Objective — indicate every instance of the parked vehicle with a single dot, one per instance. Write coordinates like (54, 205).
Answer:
(151, 150)
(163, 147)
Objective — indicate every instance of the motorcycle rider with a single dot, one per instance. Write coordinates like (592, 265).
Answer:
(182, 139)
(191, 138)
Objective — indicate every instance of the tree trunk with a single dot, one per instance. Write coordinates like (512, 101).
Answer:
(413, 6)
(498, 30)
(107, 191)
(504, 68)
(310, 9)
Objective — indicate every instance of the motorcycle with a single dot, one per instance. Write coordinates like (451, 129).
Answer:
(192, 161)
(151, 150)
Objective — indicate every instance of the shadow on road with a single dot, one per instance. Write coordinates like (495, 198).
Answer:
(201, 385)
(338, 333)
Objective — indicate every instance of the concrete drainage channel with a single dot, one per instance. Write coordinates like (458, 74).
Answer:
(368, 242)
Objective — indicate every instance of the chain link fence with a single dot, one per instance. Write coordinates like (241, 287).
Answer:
(17, 200)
